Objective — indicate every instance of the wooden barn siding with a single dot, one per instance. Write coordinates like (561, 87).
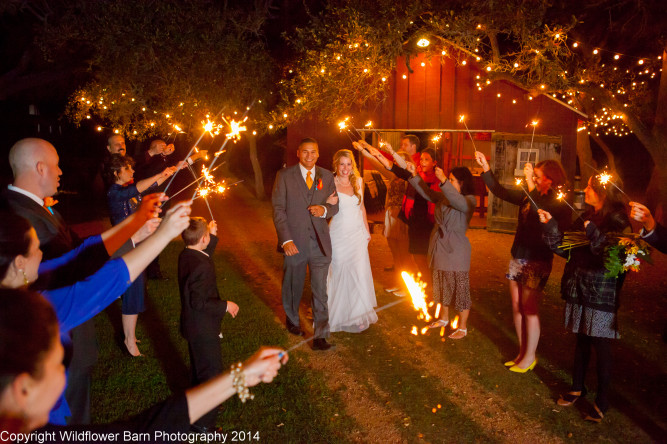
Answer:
(434, 96)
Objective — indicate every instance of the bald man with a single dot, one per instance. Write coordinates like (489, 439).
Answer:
(34, 163)
(116, 145)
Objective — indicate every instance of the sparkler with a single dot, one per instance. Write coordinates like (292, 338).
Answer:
(604, 178)
(416, 290)
(176, 131)
(519, 182)
(455, 322)
(561, 196)
(299, 344)
(463, 119)
(534, 123)
(173, 176)
(216, 188)
(204, 196)
(342, 126)
(190, 184)
(235, 132)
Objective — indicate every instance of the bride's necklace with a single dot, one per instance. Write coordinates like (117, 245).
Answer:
(338, 181)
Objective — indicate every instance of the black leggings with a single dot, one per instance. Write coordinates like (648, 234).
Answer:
(582, 355)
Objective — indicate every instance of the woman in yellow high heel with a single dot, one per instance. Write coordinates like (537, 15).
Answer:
(530, 265)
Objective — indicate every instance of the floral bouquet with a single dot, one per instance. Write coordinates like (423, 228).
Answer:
(623, 252)
(625, 255)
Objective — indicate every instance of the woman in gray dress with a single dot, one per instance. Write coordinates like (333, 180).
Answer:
(449, 248)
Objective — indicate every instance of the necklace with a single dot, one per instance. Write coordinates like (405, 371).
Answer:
(343, 184)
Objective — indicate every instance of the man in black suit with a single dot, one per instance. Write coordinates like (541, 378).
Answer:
(202, 309)
(300, 213)
(34, 163)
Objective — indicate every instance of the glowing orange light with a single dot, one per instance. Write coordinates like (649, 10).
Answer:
(416, 290)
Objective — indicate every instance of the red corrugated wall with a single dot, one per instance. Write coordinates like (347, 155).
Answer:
(435, 95)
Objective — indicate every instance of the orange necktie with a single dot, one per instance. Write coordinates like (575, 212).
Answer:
(309, 180)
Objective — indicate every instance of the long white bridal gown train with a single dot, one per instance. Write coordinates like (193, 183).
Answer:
(350, 282)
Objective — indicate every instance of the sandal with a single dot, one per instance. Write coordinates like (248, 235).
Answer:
(439, 323)
(570, 398)
(460, 333)
(595, 416)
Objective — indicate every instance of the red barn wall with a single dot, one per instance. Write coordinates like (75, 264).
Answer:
(433, 96)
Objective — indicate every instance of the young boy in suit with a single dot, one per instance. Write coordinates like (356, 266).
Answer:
(202, 309)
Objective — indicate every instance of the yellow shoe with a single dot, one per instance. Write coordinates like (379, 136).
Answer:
(517, 369)
(509, 364)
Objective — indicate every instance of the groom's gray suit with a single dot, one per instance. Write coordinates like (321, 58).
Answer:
(291, 199)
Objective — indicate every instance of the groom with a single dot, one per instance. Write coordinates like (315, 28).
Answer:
(300, 214)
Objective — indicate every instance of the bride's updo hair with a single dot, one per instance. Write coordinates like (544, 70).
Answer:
(354, 175)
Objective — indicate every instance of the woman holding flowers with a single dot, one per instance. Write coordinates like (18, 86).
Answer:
(590, 292)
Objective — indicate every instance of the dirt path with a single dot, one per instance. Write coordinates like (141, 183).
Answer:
(246, 230)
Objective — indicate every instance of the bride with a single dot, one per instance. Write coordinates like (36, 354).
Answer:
(350, 282)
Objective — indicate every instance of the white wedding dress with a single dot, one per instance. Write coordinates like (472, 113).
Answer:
(350, 282)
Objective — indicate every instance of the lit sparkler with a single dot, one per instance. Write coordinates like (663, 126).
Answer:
(463, 120)
(519, 182)
(235, 129)
(343, 126)
(604, 178)
(534, 123)
(561, 196)
(190, 184)
(173, 176)
(229, 135)
(417, 294)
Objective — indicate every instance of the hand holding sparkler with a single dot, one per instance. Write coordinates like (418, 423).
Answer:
(481, 161)
(146, 230)
(150, 206)
(440, 174)
(378, 155)
(519, 182)
(412, 168)
(213, 228)
(544, 216)
(263, 366)
(642, 214)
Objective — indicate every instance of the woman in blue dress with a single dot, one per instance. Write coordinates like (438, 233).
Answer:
(21, 264)
(123, 198)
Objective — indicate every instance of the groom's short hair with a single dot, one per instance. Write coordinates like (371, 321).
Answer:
(308, 140)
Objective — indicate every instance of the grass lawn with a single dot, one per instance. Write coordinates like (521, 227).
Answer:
(387, 385)
(296, 407)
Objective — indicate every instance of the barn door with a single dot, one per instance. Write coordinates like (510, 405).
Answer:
(510, 153)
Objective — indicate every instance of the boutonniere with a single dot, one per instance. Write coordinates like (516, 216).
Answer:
(319, 184)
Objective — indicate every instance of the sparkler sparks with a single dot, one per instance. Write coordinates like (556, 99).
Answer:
(604, 178)
(519, 182)
(416, 290)
(235, 129)
(534, 123)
